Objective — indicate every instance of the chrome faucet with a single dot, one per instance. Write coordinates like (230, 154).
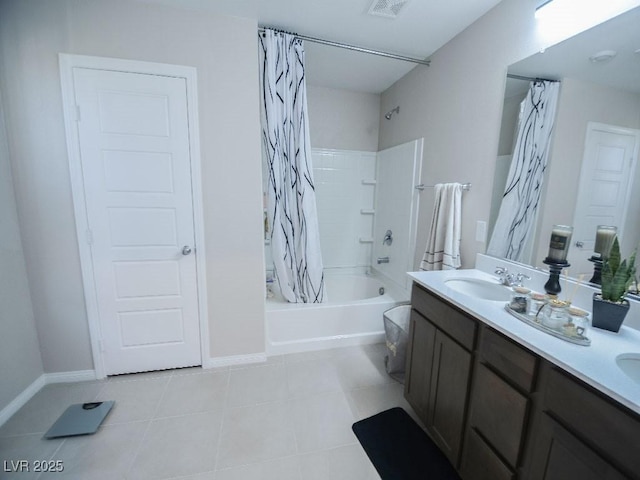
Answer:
(383, 260)
(510, 279)
(388, 238)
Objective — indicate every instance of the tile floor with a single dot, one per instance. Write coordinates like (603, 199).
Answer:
(289, 418)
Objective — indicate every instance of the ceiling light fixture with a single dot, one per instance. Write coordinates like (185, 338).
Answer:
(595, 10)
(558, 20)
(540, 9)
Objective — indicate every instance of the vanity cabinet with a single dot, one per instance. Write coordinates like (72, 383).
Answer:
(501, 412)
(439, 364)
(582, 433)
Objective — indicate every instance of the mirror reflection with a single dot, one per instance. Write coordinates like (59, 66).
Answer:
(591, 176)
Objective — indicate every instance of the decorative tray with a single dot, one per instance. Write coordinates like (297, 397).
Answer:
(533, 321)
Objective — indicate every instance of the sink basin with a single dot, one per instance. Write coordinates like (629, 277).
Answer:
(482, 289)
(629, 363)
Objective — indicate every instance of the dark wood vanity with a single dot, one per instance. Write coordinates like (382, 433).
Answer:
(499, 411)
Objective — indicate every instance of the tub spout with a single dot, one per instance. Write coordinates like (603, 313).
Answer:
(383, 260)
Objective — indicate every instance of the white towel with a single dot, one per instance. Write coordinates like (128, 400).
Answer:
(443, 246)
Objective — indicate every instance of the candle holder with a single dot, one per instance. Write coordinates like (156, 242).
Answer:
(597, 269)
(552, 287)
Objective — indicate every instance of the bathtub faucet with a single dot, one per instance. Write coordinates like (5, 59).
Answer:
(383, 260)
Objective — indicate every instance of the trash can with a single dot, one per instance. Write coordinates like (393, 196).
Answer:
(396, 329)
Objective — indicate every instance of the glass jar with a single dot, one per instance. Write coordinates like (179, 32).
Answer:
(556, 314)
(536, 302)
(580, 319)
(519, 299)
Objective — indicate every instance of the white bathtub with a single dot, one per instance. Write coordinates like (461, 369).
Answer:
(352, 315)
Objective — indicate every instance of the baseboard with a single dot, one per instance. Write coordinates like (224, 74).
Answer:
(70, 377)
(45, 379)
(235, 360)
(17, 403)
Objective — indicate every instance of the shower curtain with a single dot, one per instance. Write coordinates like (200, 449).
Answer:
(519, 207)
(291, 200)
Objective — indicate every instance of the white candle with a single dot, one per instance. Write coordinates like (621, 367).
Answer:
(605, 234)
(559, 243)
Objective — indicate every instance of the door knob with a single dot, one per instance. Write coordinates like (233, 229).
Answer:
(579, 244)
(186, 250)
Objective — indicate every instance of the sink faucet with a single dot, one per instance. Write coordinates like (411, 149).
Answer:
(510, 279)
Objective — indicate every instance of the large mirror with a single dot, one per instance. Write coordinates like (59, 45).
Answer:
(598, 111)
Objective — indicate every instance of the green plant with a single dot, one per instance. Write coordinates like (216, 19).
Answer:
(617, 276)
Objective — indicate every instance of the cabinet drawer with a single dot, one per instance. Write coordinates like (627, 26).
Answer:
(498, 412)
(454, 323)
(480, 463)
(508, 358)
(609, 428)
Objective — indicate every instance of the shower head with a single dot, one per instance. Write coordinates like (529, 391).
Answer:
(390, 112)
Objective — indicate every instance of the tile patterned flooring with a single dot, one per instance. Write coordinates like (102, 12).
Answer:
(287, 419)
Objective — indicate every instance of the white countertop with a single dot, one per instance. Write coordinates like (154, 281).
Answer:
(594, 364)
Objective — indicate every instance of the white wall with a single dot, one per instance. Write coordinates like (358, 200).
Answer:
(20, 362)
(509, 125)
(455, 104)
(343, 120)
(224, 51)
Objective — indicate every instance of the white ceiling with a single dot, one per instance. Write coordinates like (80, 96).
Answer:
(421, 27)
(570, 59)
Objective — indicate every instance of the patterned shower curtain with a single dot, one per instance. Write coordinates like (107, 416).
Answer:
(518, 211)
(291, 200)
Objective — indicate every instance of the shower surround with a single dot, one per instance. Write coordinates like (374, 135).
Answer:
(360, 195)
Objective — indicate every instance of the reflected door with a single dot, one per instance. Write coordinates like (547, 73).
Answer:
(606, 178)
(134, 145)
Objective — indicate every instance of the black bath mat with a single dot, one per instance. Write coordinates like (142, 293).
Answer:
(400, 449)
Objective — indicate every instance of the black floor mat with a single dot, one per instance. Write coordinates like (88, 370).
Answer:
(400, 449)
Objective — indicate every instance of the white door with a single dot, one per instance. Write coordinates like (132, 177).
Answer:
(606, 178)
(134, 147)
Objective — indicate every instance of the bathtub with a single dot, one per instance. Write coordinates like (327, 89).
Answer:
(352, 314)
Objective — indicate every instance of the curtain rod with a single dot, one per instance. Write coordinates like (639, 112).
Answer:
(530, 79)
(352, 47)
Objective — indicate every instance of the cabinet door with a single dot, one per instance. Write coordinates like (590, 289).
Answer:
(448, 395)
(479, 461)
(498, 412)
(422, 336)
(558, 455)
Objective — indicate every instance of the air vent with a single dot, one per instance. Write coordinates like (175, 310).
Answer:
(387, 8)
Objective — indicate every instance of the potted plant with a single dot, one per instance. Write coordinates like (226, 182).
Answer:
(610, 306)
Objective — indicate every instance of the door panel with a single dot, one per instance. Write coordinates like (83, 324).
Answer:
(134, 146)
(605, 180)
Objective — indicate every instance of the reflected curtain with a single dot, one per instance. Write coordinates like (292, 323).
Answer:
(521, 198)
(291, 201)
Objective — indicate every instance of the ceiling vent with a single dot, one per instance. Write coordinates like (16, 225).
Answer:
(387, 8)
